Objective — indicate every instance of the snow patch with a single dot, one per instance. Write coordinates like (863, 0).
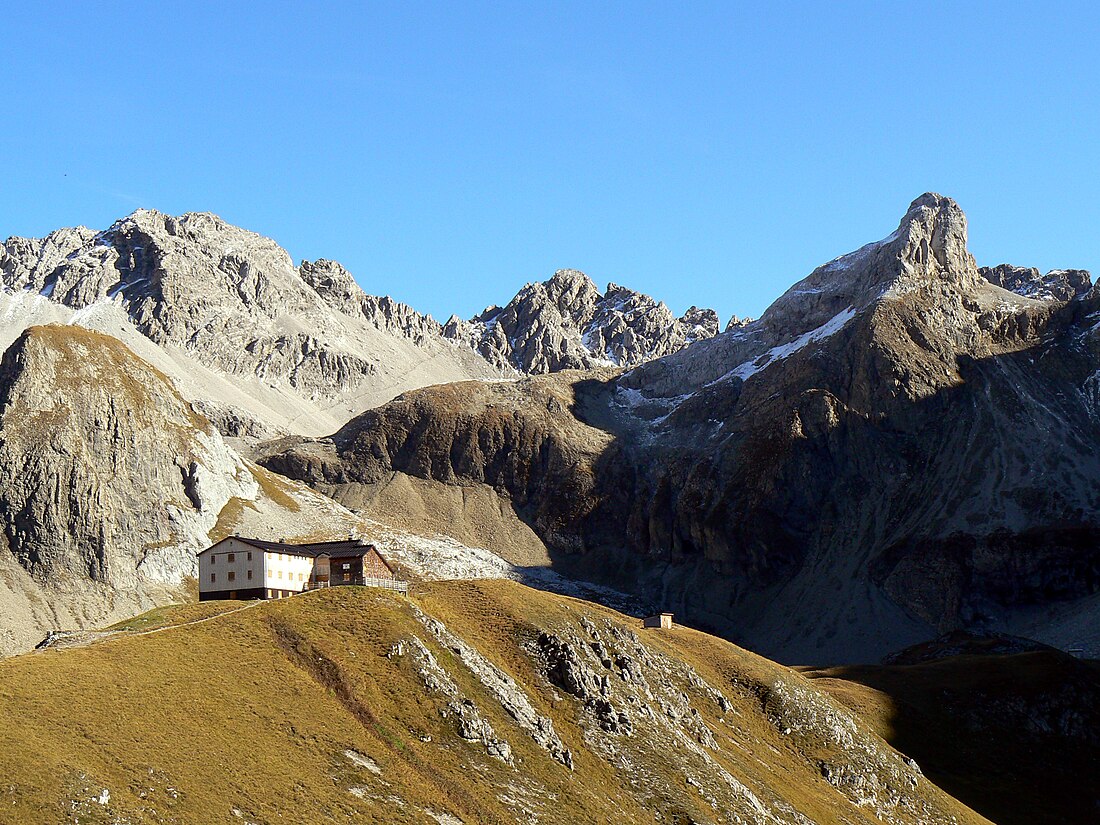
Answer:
(124, 285)
(750, 368)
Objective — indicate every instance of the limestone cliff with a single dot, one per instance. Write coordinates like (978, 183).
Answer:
(110, 482)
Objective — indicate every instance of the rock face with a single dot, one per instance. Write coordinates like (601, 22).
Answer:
(110, 482)
(111, 475)
(226, 314)
(896, 448)
(517, 437)
(294, 343)
(1056, 285)
(339, 290)
(565, 323)
(99, 458)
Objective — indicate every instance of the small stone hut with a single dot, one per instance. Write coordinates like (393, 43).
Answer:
(661, 620)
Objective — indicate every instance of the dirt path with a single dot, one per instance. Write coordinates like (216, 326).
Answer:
(68, 639)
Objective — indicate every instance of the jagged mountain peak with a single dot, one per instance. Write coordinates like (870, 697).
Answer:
(1055, 285)
(570, 279)
(917, 290)
(929, 245)
(339, 289)
(918, 439)
(199, 220)
(934, 233)
(198, 282)
(303, 347)
(565, 322)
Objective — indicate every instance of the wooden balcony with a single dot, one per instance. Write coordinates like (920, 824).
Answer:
(385, 584)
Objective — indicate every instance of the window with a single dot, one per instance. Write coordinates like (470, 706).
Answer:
(213, 577)
(280, 574)
(232, 557)
(232, 576)
(300, 577)
(347, 566)
(250, 575)
(250, 557)
(213, 557)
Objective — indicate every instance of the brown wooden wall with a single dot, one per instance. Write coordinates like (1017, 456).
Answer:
(374, 567)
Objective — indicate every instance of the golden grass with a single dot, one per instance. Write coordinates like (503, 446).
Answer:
(253, 710)
(175, 614)
(229, 517)
(275, 487)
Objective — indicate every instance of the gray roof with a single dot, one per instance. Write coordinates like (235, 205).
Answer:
(345, 548)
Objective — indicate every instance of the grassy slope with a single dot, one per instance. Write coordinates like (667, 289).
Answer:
(1006, 734)
(254, 711)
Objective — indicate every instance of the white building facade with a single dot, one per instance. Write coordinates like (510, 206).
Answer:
(235, 569)
(244, 568)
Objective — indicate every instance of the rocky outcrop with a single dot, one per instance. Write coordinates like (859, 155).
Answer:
(737, 323)
(110, 482)
(566, 323)
(504, 689)
(1056, 285)
(338, 289)
(234, 422)
(894, 438)
(105, 472)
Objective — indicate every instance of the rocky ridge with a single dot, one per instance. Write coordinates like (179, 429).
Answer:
(272, 348)
(199, 323)
(566, 323)
(230, 317)
(1056, 285)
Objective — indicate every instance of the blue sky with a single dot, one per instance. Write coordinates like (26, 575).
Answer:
(703, 153)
